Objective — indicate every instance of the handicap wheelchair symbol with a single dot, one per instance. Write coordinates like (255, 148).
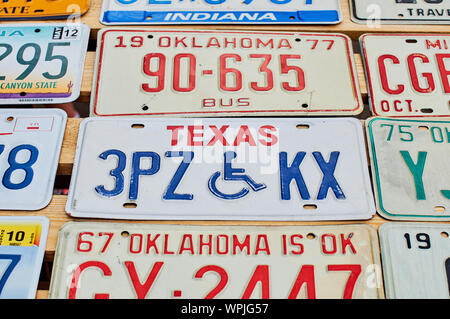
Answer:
(233, 174)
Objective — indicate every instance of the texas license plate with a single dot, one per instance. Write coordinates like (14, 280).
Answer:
(41, 63)
(221, 169)
(408, 75)
(410, 168)
(40, 9)
(401, 11)
(119, 260)
(22, 248)
(215, 73)
(416, 260)
(30, 144)
(220, 12)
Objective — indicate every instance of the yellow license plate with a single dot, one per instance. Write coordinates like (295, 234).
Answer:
(23, 9)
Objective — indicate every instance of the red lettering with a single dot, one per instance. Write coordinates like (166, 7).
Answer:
(433, 45)
(174, 130)
(355, 271)
(305, 276)
(263, 239)
(188, 238)
(77, 273)
(219, 252)
(218, 135)
(260, 43)
(151, 243)
(414, 76)
(244, 135)
(233, 42)
(445, 73)
(142, 289)
(324, 244)
(209, 102)
(223, 279)
(270, 138)
(166, 251)
(383, 74)
(298, 244)
(192, 134)
(132, 243)
(213, 42)
(241, 245)
(208, 244)
(347, 242)
(160, 42)
(284, 43)
(261, 274)
(180, 41)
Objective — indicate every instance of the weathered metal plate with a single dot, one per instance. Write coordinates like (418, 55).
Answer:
(416, 260)
(41, 63)
(30, 144)
(410, 168)
(400, 11)
(120, 260)
(221, 169)
(123, 12)
(42, 9)
(408, 74)
(22, 248)
(223, 73)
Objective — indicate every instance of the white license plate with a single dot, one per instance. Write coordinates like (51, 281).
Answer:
(41, 63)
(408, 75)
(215, 73)
(221, 169)
(123, 12)
(114, 260)
(410, 168)
(30, 144)
(400, 11)
(22, 248)
(416, 260)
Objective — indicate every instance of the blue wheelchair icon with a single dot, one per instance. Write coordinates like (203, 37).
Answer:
(233, 174)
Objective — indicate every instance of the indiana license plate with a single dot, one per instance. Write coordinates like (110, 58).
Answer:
(41, 63)
(416, 260)
(22, 248)
(30, 144)
(128, 261)
(401, 11)
(408, 75)
(220, 12)
(42, 9)
(215, 73)
(221, 169)
(410, 168)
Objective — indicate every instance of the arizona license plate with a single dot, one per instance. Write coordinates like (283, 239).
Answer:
(40, 9)
(408, 75)
(41, 63)
(401, 11)
(416, 260)
(22, 248)
(214, 73)
(221, 169)
(220, 11)
(112, 260)
(410, 168)
(30, 144)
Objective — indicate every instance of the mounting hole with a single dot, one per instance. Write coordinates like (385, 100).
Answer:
(130, 205)
(305, 105)
(424, 128)
(144, 107)
(310, 206)
(23, 93)
(400, 15)
(149, 17)
(439, 209)
(125, 233)
(37, 30)
(302, 126)
(310, 236)
(298, 40)
(292, 17)
(150, 36)
(411, 41)
(10, 118)
(426, 110)
(444, 234)
(136, 125)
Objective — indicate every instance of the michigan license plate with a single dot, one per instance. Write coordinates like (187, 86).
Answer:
(410, 168)
(220, 12)
(408, 75)
(221, 169)
(113, 260)
(30, 144)
(401, 11)
(40, 9)
(41, 63)
(416, 260)
(22, 248)
(214, 73)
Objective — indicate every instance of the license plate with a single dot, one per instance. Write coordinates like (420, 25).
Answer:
(410, 168)
(221, 169)
(220, 12)
(22, 248)
(41, 9)
(41, 63)
(408, 75)
(30, 145)
(113, 260)
(214, 73)
(416, 260)
(401, 11)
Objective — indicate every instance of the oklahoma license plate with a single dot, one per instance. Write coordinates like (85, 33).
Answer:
(41, 63)
(221, 169)
(30, 144)
(22, 248)
(119, 260)
(408, 75)
(40, 9)
(401, 11)
(215, 73)
(416, 260)
(221, 11)
(410, 167)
